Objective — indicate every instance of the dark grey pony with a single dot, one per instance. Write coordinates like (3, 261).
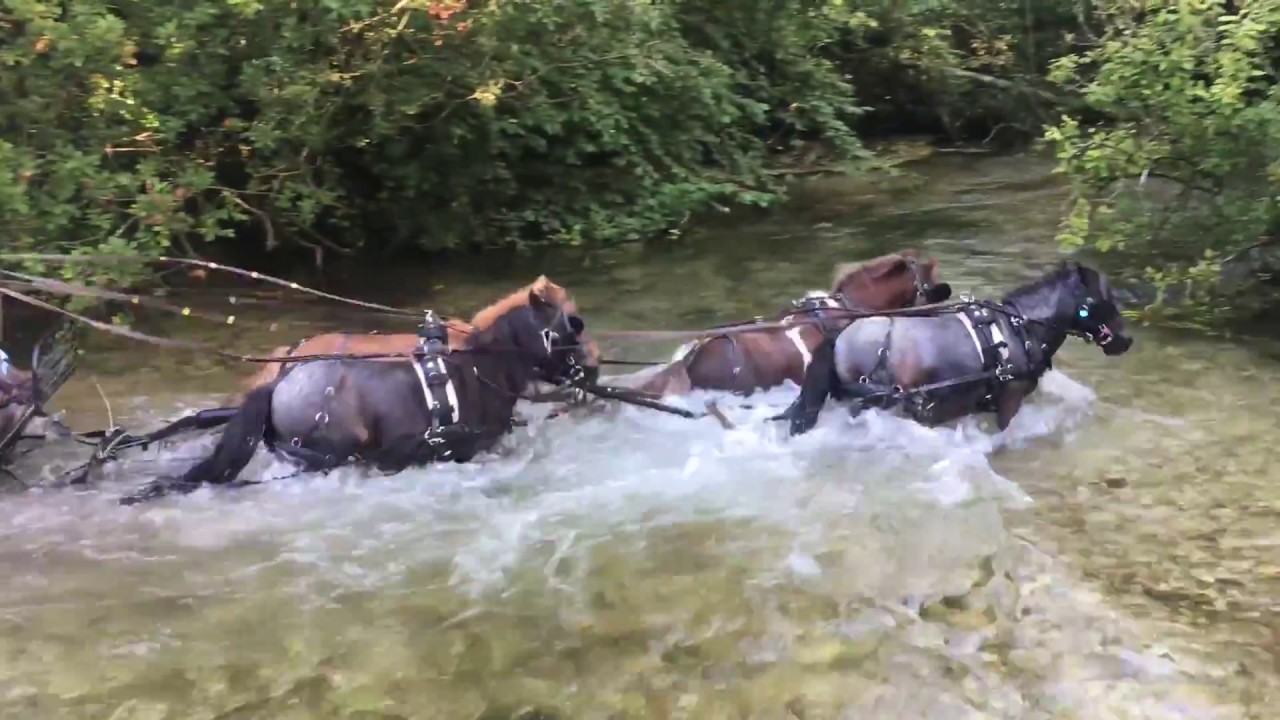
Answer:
(985, 357)
(327, 413)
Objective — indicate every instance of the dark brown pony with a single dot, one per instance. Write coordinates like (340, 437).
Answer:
(373, 343)
(392, 415)
(759, 359)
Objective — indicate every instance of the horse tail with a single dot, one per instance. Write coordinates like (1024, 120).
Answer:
(234, 450)
(238, 443)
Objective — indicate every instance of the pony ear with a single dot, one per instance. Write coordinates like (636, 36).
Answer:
(1088, 276)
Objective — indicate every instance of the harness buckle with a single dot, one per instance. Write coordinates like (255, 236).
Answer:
(1004, 373)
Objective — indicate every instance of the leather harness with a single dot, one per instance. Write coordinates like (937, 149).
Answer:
(433, 377)
(992, 327)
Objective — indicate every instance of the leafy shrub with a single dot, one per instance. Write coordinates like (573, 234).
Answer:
(367, 125)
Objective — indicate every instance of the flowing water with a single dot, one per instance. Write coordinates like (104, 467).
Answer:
(1114, 554)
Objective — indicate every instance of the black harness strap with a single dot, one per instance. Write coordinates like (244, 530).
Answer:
(814, 307)
(437, 387)
(994, 348)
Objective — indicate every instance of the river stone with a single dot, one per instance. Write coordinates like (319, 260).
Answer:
(140, 710)
(835, 652)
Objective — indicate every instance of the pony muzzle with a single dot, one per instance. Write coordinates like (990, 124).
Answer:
(1110, 342)
(937, 293)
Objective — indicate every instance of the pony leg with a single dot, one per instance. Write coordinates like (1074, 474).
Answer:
(234, 451)
(814, 391)
(1009, 405)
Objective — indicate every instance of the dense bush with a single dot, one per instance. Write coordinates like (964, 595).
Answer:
(1183, 176)
(373, 124)
(360, 126)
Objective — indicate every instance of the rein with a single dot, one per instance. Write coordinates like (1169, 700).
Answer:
(933, 310)
(204, 348)
(253, 275)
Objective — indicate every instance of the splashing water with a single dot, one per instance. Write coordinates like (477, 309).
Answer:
(623, 563)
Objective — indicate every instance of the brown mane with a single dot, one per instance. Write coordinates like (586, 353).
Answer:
(872, 269)
(542, 286)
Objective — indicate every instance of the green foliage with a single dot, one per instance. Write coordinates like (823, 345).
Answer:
(969, 65)
(129, 127)
(1184, 175)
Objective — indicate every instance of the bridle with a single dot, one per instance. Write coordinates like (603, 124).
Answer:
(1090, 327)
(553, 342)
(922, 284)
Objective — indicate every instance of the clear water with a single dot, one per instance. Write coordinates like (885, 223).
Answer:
(1114, 554)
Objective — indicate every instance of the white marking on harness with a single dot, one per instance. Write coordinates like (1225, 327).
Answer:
(973, 333)
(997, 336)
(794, 335)
(449, 392)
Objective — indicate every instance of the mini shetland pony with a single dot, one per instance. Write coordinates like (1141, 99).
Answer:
(987, 357)
(372, 343)
(327, 413)
(759, 359)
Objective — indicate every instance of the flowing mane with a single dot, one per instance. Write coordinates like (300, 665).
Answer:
(872, 269)
(543, 286)
(1047, 281)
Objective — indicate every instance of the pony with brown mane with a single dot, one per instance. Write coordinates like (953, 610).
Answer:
(758, 359)
(449, 404)
(400, 343)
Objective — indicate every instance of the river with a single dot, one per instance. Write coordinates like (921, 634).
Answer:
(1113, 554)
